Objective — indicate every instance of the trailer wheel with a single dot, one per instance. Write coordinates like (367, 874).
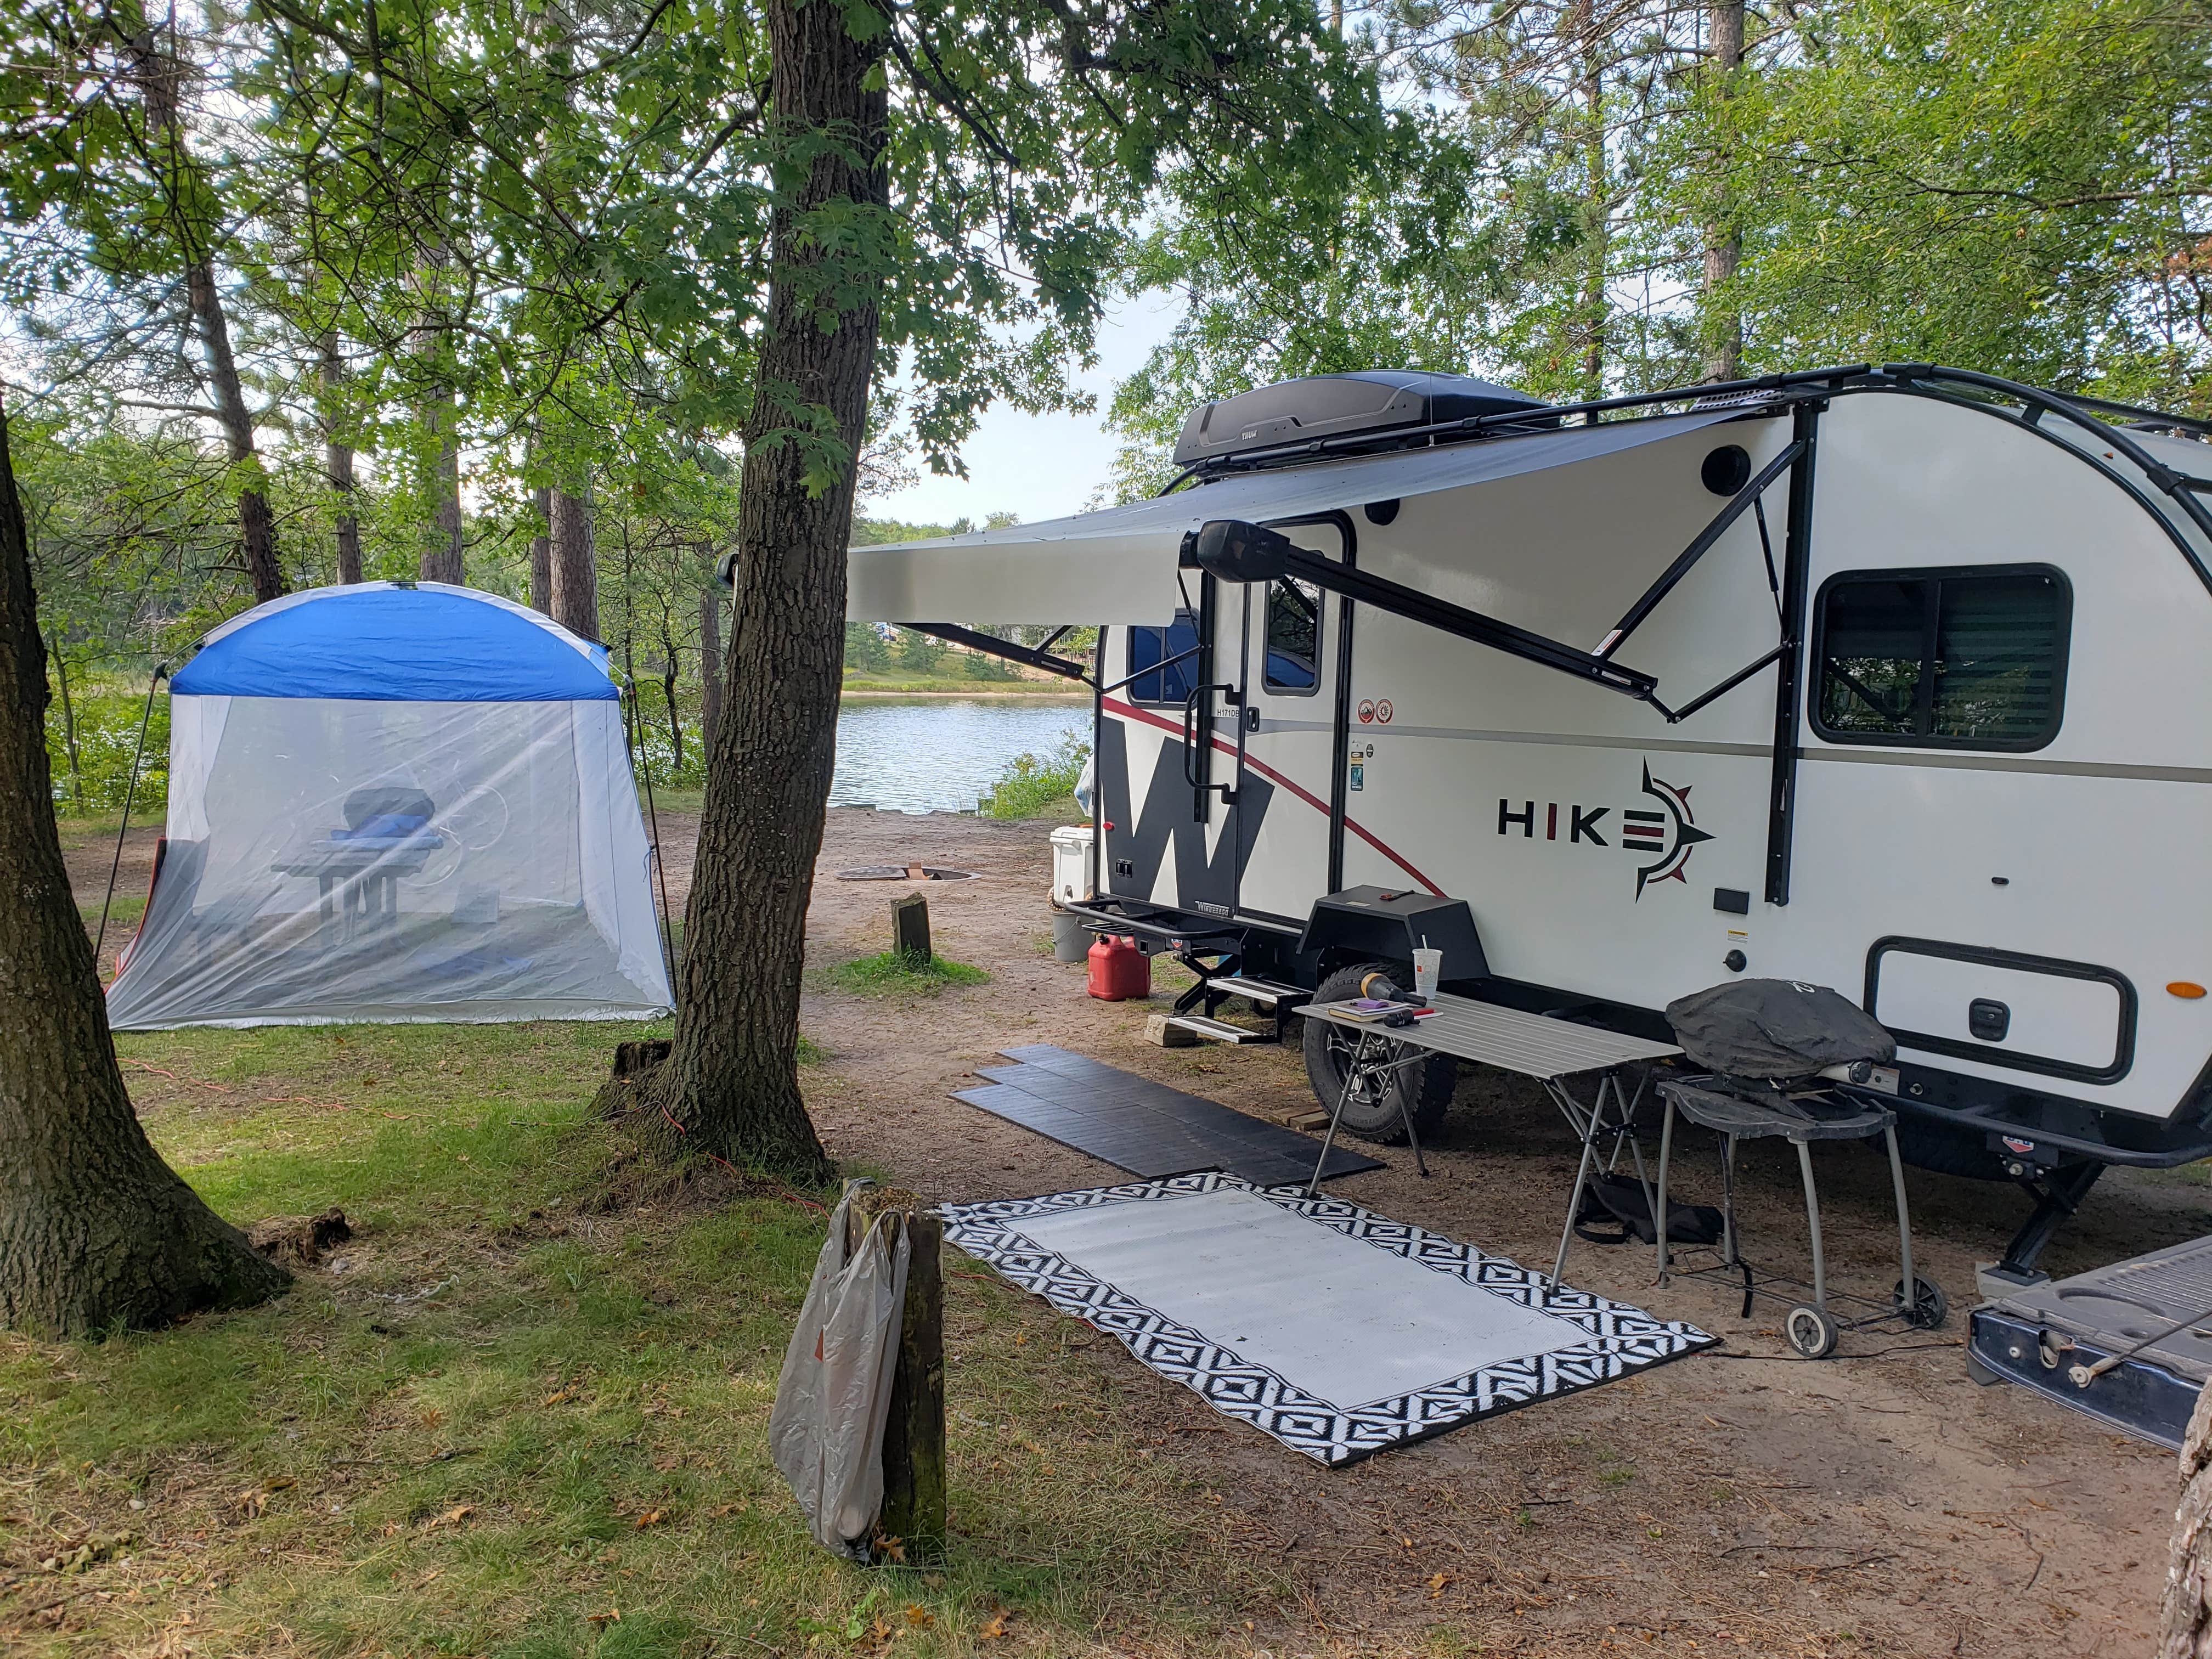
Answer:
(1426, 1089)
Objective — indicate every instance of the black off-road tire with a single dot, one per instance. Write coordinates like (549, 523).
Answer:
(1426, 1089)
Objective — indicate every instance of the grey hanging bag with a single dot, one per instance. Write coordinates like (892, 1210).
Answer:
(826, 1432)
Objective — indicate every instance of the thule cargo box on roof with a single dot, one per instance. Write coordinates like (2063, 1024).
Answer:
(1337, 405)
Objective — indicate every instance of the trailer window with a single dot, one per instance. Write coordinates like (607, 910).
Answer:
(1943, 658)
(1149, 648)
(1293, 636)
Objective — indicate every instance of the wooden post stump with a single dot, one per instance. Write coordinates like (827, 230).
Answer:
(910, 927)
(914, 1437)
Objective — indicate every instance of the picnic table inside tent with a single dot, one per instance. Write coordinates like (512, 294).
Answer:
(396, 802)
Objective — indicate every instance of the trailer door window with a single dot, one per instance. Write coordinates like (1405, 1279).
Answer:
(1293, 636)
(1151, 648)
(1971, 659)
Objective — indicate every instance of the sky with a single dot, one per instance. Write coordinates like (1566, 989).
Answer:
(1040, 466)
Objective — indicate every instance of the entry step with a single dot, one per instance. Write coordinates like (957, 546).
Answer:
(1215, 1030)
(1267, 993)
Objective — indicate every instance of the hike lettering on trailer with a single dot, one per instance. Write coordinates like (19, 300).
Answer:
(1669, 833)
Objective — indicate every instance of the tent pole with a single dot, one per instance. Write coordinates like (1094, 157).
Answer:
(130, 794)
(641, 763)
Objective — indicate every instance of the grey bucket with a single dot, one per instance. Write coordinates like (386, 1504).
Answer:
(1071, 941)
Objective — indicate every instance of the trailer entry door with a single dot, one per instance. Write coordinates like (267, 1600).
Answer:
(1291, 659)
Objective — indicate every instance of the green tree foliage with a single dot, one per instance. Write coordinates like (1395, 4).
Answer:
(2016, 187)
(917, 652)
(865, 649)
(2022, 187)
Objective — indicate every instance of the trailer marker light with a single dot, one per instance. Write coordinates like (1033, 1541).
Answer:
(2188, 988)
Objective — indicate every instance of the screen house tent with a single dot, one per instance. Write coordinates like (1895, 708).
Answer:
(395, 802)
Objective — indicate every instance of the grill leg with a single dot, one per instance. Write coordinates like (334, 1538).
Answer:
(1727, 1202)
(1813, 1223)
(1904, 1217)
(1659, 1207)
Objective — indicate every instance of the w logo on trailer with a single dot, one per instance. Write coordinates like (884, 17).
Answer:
(1667, 834)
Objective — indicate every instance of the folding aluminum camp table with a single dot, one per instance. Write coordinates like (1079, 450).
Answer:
(1534, 1045)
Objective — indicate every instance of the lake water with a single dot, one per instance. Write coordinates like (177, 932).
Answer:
(940, 754)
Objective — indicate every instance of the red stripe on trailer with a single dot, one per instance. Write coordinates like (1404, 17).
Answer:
(1129, 711)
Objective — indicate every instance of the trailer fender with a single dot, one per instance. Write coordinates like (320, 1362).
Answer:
(1388, 924)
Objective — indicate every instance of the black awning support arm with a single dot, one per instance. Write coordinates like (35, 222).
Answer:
(991, 646)
(1159, 667)
(1632, 618)
(1675, 716)
(1236, 551)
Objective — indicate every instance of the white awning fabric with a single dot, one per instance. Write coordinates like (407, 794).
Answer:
(1119, 565)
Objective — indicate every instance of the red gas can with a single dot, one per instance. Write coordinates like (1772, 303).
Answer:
(1120, 972)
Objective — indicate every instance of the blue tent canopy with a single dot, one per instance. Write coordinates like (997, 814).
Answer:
(378, 641)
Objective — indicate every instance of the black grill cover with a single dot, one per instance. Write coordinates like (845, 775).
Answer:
(1775, 1029)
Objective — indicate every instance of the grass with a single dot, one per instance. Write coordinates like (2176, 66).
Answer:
(894, 973)
(527, 1417)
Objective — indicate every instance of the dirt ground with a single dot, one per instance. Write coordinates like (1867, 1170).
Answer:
(1878, 1502)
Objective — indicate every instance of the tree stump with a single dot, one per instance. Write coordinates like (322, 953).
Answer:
(910, 927)
(914, 1437)
(2185, 1629)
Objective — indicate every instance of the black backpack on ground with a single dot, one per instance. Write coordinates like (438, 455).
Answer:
(1617, 1202)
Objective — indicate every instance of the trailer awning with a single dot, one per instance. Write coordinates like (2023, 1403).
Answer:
(1119, 565)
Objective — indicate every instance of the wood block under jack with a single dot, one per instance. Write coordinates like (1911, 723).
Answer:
(1295, 1115)
(1160, 1031)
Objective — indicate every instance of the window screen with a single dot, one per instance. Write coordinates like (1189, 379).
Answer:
(1959, 659)
(1149, 648)
(1293, 636)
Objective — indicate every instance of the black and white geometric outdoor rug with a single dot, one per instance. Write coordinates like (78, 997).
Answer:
(1143, 1127)
(1340, 1332)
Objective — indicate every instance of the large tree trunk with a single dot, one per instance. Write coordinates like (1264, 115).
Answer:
(257, 524)
(541, 553)
(710, 667)
(1722, 318)
(441, 556)
(731, 1080)
(1597, 208)
(95, 1230)
(338, 466)
(159, 76)
(669, 664)
(575, 566)
(2185, 1629)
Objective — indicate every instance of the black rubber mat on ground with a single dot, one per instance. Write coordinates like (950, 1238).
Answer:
(1143, 1127)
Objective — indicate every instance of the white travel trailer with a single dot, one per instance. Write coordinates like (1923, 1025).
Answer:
(1894, 679)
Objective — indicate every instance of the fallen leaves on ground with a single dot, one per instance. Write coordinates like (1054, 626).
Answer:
(255, 1499)
(452, 1518)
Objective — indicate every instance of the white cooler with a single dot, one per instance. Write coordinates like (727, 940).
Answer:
(1070, 863)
